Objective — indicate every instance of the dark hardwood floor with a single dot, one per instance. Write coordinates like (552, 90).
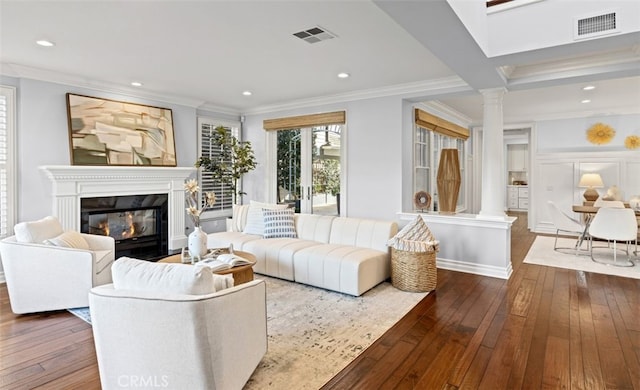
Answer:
(543, 328)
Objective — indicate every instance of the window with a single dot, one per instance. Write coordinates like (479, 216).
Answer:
(7, 161)
(224, 193)
(427, 145)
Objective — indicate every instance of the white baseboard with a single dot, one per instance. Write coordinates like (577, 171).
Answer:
(2, 279)
(477, 269)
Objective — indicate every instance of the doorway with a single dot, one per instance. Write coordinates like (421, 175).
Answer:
(309, 169)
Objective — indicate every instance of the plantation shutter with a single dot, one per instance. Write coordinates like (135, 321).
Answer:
(224, 194)
(7, 169)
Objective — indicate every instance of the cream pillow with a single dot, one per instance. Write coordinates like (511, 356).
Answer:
(141, 275)
(70, 239)
(255, 216)
(38, 231)
(239, 218)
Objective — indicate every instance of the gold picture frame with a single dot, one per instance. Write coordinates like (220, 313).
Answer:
(111, 132)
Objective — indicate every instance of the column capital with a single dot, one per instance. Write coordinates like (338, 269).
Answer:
(493, 95)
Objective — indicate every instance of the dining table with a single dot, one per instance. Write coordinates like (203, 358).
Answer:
(589, 212)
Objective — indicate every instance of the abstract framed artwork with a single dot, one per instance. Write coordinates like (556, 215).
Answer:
(110, 132)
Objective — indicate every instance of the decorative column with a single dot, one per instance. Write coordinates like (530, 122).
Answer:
(493, 184)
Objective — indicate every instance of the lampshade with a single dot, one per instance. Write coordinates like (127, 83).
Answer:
(591, 181)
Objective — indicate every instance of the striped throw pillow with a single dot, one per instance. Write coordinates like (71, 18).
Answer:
(279, 224)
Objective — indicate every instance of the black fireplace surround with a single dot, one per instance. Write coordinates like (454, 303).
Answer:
(138, 223)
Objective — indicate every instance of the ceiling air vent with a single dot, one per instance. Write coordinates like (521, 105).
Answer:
(592, 26)
(314, 35)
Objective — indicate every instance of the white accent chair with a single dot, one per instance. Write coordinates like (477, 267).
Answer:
(170, 326)
(47, 268)
(614, 224)
(566, 224)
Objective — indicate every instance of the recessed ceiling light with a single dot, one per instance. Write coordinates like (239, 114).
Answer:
(586, 101)
(136, 84)
(247, 93)
(588, 88)
(45, 43)
(343, 75)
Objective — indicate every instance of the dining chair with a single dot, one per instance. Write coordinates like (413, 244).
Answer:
(566, 224)
(614, 224)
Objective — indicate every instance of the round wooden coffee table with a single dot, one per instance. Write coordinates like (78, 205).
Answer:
(241, 274)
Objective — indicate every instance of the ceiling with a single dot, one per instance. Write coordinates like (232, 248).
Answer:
(206, 53)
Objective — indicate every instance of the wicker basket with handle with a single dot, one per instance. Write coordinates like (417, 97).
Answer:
(413, 271)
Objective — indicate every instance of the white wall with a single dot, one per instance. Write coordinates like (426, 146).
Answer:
(43, 138)
(373, 140)
(552, 23)
(563, 154)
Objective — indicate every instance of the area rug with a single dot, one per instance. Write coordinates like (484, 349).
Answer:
(542, 253)
(314, 333)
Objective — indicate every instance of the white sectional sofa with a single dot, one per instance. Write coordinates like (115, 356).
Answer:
(348, 255)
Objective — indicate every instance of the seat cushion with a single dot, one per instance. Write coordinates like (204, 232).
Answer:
(223, 239)
(344, 268)
(274, 256)
(38, 231)
(141, 275)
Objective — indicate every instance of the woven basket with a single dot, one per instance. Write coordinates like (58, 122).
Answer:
(413, 271)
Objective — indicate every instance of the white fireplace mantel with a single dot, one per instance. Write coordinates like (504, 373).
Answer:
(72, 183)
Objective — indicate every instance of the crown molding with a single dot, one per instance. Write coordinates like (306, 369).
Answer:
(629, 56)
(426, 88)
(27, 72)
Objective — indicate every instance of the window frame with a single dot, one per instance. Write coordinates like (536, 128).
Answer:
(430, 143)
(224, 205)
(8, 190)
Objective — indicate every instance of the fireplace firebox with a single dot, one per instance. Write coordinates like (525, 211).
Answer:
(138, 223)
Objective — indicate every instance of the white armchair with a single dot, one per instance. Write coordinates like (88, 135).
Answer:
(49, 269)
(166, 325)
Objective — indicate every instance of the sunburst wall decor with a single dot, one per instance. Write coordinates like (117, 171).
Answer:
(600, 134)
(632, 142)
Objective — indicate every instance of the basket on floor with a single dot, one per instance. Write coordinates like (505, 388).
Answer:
(413, 271)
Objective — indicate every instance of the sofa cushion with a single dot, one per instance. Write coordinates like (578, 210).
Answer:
(38, 231)
(239, 217)
(141, 275)
(279, 223)
(70, 239)
(255, 216)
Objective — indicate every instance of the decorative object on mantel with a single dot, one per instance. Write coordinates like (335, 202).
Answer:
(235, 158)
(591, 181)
(110, 132)
(421, 200)
(632, 142)
(197, 238)
(448, 180)
(600, 134)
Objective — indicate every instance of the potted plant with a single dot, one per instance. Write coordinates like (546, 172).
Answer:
(235, 158)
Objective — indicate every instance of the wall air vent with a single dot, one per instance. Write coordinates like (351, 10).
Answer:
(596, 25)
(314, 35)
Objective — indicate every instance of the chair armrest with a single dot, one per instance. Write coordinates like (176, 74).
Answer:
(99, 243)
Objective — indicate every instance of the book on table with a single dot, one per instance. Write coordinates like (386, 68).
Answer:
(223, 261)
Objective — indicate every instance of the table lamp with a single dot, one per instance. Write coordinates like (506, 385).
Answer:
(591, 181)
